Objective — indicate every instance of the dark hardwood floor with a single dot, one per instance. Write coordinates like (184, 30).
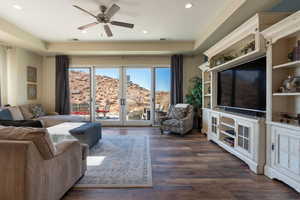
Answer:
(191, 168)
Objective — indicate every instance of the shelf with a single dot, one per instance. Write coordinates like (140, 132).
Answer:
(287, 94)
(226, 144)
(227, 134)
(207, 82)
(285, 125)
(288, 65)
(207, 95)
(237, 61)
(228, 125)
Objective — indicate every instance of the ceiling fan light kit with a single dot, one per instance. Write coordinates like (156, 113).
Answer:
(104, 17)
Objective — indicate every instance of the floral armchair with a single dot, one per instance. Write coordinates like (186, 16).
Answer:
(179, 119)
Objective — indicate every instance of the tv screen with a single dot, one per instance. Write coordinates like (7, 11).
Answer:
(244, 86)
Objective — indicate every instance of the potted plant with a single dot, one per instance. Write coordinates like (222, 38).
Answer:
(194, 97)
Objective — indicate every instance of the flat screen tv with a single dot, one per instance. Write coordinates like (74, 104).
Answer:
(244, 87)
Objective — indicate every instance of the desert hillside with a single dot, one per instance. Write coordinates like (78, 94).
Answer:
(107, 92)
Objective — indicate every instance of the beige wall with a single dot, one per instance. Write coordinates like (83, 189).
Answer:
(48, 95)
(119, 60)
(3, 74)
(17, 61)
(190, 70)
(48, 86)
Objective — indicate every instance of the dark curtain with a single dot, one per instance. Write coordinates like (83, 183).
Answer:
(62, 102)
(176, 79)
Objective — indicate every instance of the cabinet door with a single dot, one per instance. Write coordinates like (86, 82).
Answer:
(244, 137)
(286, 150)
(214, 123)
(205, 120)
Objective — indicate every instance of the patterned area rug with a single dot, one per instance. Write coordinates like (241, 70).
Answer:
(119, 162)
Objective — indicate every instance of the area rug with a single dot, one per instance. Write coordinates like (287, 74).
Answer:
(118, 162)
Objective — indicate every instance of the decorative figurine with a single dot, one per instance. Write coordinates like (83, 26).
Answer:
(292, 84)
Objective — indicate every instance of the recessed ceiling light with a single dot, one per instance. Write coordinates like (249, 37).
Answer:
(188, 5)
(145, 32)
(18, 7)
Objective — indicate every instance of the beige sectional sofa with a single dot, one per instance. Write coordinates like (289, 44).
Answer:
(33, 168)
(25, 112)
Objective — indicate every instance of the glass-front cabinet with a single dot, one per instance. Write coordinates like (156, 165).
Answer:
(244, 138)
(214, 125)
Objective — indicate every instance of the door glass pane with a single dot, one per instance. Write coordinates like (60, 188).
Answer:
(107, 94)
(80, 91)
(246, 144)
(240, 142)
(246, 132)
(240, 131)
(162, 91)
(138, 95)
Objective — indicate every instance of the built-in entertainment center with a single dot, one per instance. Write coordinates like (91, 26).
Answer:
(251, 95)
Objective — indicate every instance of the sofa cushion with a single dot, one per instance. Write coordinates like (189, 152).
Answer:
(38, 136)
(26, 111)
(22, 123)
(16, 113)
(37, 110)
(53, 120)
(5, 115)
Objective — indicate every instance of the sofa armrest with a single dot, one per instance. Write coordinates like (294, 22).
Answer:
(66, 146)
(52, 113)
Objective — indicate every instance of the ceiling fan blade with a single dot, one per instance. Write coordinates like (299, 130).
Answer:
(88, 25)
(108, 31)
(85, 11)
(123, 24)
(112, 11)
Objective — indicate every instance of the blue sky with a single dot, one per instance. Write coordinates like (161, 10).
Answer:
(140, 76)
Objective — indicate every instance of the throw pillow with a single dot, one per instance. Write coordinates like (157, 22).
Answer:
(16, 113)
(26, 111)
(5, 115)
(39, 136)
(38, 110)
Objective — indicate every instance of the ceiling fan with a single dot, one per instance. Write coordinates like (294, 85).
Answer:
(104, 17)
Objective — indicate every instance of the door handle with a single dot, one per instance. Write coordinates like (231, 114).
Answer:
(122, 102)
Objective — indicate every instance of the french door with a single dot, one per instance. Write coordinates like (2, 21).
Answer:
(122, 96)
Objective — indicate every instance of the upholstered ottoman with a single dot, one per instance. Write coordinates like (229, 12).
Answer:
(88, 133)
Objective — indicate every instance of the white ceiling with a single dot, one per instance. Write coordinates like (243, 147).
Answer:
(57, 20)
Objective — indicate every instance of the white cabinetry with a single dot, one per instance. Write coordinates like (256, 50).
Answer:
(205, 120)
(283, 137)
(213, 126)
(240, 135)
(285, 155)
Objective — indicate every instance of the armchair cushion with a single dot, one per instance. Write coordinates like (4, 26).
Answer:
(172, 123)
(38, 136)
